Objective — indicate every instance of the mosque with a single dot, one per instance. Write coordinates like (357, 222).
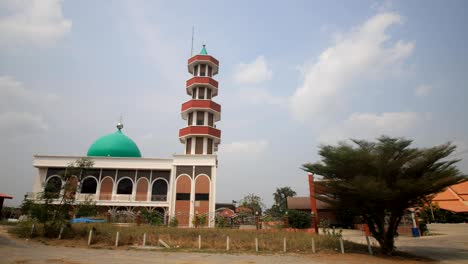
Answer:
(181, 187)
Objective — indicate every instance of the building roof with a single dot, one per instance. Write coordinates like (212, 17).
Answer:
(203, 51)
(114, 145)
(2, 195)
(303, 203)
(454, 198)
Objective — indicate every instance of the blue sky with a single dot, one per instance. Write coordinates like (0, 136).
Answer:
(293, 75)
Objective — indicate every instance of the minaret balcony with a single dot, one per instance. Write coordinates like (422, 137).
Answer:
(202, 81)
(205, 131)
(203, 105)
(205, 59)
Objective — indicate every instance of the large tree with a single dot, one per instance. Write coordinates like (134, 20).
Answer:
(380, 180)
(254, 202)
(280, 197)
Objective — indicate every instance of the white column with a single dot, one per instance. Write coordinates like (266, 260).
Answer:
(172, 192)
(205, 121)
(212, 202)
(98, 187)
(133, 196)
(114, 188)
(192, 197)
(39, 182)
(205, 145)
(192, 149)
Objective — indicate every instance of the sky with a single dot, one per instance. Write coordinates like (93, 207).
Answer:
(293, 76)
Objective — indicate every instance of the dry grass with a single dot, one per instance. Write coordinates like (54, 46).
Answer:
(212, 239)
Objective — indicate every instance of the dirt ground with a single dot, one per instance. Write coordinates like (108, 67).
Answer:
(15, 251)
(450, 247)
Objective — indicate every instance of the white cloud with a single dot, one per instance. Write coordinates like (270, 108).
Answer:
(13, 96)
(254, 72)
(260, 95)
(21, 123)
(244, 147)
(20, 108)
(423, 90)
(362, 52)
(371, 125)
(38, 22)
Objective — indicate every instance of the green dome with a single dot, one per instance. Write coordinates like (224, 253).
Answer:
(114, 145)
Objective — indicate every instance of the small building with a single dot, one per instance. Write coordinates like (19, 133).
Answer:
(2, 199)
(453, 199)
(324, 211)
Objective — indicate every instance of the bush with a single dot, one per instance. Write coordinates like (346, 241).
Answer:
(173, 222)
(221, 222)
(298, 219)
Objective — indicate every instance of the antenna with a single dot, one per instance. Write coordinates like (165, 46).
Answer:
(193, 33)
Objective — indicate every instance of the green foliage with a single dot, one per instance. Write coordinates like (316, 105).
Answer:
(298, 219)
(254, 202)
(280, 197)
(213, 239)
(380, 180)
(441, 215)
(153, 218)
(174, 222)
(221, 222)
(86, 208)
(58, 199)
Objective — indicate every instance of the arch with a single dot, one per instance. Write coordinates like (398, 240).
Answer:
(107, 185)
(89, 185)
(142, 189)
(53, 185)
(125, 186)
(159, 190)
(202, 183)
(182, 203)
(202, 195)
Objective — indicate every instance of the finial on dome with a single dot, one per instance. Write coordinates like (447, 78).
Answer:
(120, 124)
(203, 51)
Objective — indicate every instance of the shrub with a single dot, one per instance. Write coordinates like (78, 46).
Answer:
(298, 219)
(173, 222)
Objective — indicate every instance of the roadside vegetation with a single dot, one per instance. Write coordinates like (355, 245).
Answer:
(212, 239)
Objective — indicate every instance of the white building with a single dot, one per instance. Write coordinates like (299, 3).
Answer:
(122, 179)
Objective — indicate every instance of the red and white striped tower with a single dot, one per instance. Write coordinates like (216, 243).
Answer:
(200, 136)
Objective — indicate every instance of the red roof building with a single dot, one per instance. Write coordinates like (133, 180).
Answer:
(2, 198)
(454, 198)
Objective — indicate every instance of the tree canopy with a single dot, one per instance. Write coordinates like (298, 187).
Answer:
(254, 202)
(380, 180)
(280, 197)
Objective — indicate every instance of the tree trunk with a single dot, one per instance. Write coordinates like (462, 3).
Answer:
(385, 237)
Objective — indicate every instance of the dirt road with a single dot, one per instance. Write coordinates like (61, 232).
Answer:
(15, 251)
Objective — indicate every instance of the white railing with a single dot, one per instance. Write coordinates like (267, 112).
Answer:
(107, 197)
(33, 195)
(122, 197)
(85, 196)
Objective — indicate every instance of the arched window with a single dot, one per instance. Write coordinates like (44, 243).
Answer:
(53, 185)
(125, 187)
(159, 191)
(89, 185)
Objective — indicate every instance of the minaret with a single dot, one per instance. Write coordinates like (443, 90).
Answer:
(200, 136)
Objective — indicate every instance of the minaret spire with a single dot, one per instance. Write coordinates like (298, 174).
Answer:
(201, 136)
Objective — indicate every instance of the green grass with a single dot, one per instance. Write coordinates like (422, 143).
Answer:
(213, 239)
